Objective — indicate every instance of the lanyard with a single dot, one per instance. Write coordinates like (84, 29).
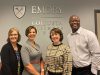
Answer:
(18, 58)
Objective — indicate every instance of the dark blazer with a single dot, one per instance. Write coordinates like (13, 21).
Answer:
(0, 63)
(9, 60)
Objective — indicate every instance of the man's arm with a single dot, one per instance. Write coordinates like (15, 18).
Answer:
(94, 48)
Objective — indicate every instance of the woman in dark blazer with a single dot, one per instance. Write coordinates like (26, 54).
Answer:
(0, 63)
(10, 54)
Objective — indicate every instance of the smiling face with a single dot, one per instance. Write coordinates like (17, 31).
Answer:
(32, 34)
(55, 37)
(13, 35)
(74, 22)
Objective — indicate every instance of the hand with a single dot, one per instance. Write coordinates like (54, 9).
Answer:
(37, 74)
(42, 72)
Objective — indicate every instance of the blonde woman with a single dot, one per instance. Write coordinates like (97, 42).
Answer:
(10, 54)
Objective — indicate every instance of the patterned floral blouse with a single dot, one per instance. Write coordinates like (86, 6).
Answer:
(59, 59)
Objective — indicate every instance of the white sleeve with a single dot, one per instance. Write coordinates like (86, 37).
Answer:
(94, 48)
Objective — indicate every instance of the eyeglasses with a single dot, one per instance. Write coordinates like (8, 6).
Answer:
(13, 34)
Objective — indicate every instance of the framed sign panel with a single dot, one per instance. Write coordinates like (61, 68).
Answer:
(97, 23)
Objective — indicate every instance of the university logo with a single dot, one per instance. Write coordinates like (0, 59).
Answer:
(19, 11)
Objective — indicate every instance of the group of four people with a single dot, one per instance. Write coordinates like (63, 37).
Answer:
(80, 57)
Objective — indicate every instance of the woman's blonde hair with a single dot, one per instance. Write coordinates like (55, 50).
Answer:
(11, 30)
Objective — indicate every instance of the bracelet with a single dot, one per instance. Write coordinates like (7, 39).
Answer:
(42, 69)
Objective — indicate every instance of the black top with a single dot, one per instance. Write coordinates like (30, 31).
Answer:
(9, 60)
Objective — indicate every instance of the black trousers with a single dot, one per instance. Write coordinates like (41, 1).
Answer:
(98, 72)
(53, 73)
(0, 72)
(82, 71)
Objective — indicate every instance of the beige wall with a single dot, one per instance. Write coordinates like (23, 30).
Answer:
(82, 8)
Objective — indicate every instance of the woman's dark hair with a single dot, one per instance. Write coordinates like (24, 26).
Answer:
(29, 28)
(10, 31)
(57, 30)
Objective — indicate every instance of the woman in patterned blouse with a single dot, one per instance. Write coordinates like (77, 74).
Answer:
(58, 58)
